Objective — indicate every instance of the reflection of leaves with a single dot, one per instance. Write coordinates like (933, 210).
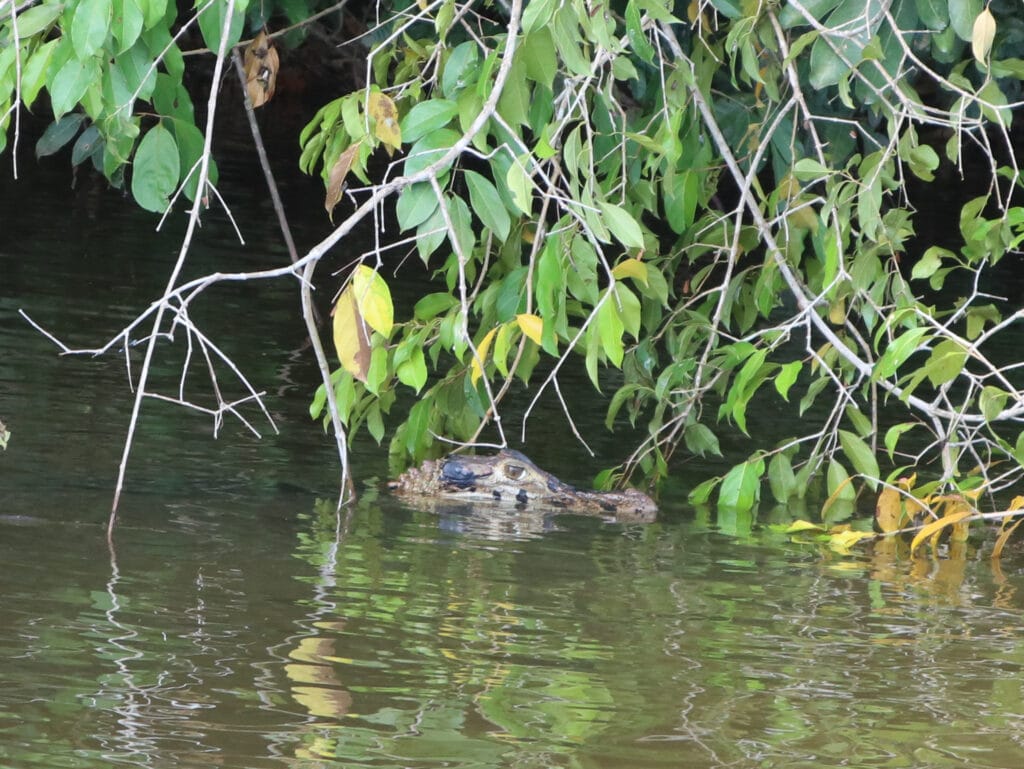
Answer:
(261, 66)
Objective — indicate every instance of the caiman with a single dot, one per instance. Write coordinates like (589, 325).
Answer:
(511, 478)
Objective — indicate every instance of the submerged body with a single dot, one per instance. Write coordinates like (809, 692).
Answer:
(510, 477)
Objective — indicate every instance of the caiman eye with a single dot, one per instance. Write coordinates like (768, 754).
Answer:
(515, 472)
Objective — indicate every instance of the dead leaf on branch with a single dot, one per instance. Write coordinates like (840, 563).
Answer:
(385, 116)
(261, 66)
(351, 335)
(364, 306)
(336, 181)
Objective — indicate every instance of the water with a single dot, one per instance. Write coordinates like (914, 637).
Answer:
(238, 622)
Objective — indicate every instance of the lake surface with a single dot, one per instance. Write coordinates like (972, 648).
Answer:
(238, 622)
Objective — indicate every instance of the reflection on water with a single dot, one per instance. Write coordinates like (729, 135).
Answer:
(238, 624)
(214, 641)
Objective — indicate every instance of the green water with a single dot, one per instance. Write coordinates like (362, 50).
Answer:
(237, 622)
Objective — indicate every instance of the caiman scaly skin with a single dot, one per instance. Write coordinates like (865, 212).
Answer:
(510, 477)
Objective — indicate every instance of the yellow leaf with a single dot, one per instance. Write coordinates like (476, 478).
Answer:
(936, 526)
(1004, 535)
(889, 510)
(982, 35)
(336, 182)
(531, 325)
(802, 525)
(385, 117)
(373, 299)
(630, 268)
(351, 336)
(844, 540)
(476, 370)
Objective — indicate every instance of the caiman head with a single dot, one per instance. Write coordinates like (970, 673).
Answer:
(509, 477)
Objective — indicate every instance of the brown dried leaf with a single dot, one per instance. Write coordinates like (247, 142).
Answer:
(261, 66)
(351, 335)
(336, 180)
(385, 115)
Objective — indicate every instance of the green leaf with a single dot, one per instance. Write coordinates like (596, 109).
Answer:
(537, 14)
(88, 143)
(154, 12)
(211, 23)
(70, 84)
(839, 486)
(138, 73)
(946, 362)
(156, 169)
(37, 18)
(429, 150)
(415, 205)
(427, 117)
(126, 23)
(786, 377)
(90, 26)
(892, 436)
(682, 193)
(520, 184)
(992, 401)
(933, 13)
(412, 372)
(432, 305)
(861, 456)
(460, 69)
(897, 352)
(930, 261)
(808, 169)
(781, 479)
(462, 226)
(375, 423)
(487, 204)
(849, 36)
(33, 76)
(622, 225)
(702, 493)
(634, 31)
(701, 441)
(430, 234)
(59, 133)
(610, 328)
(741, 486)
(540, 57)
(514, 102)
(962, 14)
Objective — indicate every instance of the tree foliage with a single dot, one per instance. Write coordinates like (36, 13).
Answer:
(697, 203)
